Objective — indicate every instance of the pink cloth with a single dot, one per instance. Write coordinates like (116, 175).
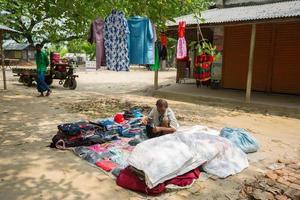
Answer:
(181, 45)
(181, 48)
(97, 148)
(106, 165)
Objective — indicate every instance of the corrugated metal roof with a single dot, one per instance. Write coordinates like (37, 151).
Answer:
(244, 13)
(15, 46)
(5, 28)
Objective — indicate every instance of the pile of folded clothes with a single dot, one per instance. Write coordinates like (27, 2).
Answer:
(81, 134)
(84, 133)
(130, 180)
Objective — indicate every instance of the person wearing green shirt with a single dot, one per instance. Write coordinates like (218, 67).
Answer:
(42, 62)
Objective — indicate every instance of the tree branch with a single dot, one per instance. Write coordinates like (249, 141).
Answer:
(74, 37)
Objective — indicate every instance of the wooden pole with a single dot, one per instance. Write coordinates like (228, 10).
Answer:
(250, 66)
(155, 79)
(2, 60)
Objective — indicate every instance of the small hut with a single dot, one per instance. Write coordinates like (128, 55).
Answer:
(4, 29)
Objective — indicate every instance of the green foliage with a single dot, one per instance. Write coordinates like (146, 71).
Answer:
(80, 46)
(205, 47)
(65, 20)
(44, 20)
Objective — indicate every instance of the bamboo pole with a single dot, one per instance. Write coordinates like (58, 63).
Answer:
(2, 60)
(250, 66)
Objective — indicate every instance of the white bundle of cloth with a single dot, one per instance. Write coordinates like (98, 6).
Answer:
(168, 156)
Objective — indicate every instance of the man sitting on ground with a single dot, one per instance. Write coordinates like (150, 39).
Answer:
(161, 120)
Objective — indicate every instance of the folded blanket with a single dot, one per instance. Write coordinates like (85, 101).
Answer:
(159, 158)
(168, 156)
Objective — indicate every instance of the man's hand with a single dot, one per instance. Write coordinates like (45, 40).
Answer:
(156, 129)
(163, 130)
(144, 121)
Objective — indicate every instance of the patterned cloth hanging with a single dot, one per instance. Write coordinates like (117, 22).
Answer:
(116, 41)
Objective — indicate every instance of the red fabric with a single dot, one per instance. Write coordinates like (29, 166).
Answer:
(106, 165)
(163, 39)
(185, 179)
(75, 137)
(55, 58)
(203, 76)
(181, 29)
(127, 179)
(211, 58)
(119, 118)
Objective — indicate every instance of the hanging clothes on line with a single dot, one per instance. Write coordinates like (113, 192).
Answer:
(96, 35)
(181, 45)
(163, 50)
(156, 44)
(156, 65)
(141, 40)
(116, 34)
(154, 40)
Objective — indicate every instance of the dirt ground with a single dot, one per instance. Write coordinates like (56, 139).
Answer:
(31, 170)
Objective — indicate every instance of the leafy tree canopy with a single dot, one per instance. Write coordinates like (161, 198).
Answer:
(54, 21)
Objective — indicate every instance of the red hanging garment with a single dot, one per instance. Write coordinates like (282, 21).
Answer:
(181, 29)
(163, 39)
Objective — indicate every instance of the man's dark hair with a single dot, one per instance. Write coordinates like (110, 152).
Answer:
(38, 45)
(162, 102)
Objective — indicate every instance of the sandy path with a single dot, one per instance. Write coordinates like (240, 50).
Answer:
(30, 170)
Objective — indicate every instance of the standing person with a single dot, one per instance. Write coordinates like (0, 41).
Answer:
(161, 120)
(42, 62)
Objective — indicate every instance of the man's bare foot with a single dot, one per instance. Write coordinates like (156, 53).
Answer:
(48, 93)
(41, 95)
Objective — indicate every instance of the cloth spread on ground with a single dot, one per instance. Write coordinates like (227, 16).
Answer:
(169, 161)
(241, 138)
(168, 156)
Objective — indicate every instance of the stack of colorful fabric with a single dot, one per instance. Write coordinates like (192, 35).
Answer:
(128, 179)
(81, 134)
